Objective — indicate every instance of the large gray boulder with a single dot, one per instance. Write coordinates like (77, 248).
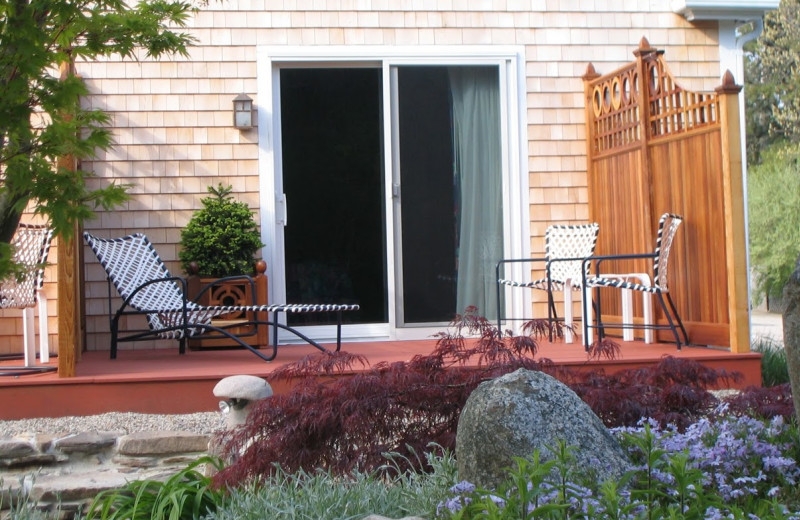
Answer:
(516, 414)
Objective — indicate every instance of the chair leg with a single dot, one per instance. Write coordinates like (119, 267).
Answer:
(627, 315)
(499, 314)
(568, 336)
(44, 339)
(339, 329)
(591, 308)
(114, 335)
(678, 319)
(669, 319)
(647, 306)
(552, 315)
(586, 302)
(598, 311)
(29, 336)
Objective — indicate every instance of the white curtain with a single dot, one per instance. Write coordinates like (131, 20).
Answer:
(478, 181)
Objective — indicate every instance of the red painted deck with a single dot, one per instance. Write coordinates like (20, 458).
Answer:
(161, 381)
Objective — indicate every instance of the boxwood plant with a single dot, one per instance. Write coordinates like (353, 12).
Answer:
(222, 238)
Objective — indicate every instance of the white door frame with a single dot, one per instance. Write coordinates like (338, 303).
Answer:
(510, 61)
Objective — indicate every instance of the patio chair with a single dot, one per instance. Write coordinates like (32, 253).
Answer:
(641, 282)
(31, 246)
(148, 289)
(565, 248)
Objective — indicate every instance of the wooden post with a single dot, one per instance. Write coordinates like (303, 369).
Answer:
(646, 57)
(70, 337)
(262, 297)
(588, 92)
(733, 187)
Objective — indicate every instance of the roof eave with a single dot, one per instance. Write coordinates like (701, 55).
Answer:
(741, 10)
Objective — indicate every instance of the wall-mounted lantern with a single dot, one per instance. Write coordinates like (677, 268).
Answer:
(242, 112)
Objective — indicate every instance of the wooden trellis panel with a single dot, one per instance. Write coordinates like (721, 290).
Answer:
(654, 147)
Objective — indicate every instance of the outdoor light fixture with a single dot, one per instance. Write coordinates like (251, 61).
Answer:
(242, 112)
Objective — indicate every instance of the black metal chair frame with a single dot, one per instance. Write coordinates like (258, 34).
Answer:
(560, 241)
(617, 281)
(552, 314)
(172, 315)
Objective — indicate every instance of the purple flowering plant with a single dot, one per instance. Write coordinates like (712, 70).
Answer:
(725, 466)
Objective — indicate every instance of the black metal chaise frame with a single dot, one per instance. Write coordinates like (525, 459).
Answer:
(148, 289)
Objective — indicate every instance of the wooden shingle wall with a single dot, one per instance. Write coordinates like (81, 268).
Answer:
(172, 119)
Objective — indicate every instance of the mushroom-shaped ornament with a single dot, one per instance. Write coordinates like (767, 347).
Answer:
(238, 394)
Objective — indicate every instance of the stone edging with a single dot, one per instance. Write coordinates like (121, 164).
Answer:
(70, 470)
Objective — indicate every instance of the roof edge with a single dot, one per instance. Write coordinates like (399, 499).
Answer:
(723, 9)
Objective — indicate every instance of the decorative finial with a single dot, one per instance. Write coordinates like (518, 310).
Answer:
(729, 85)
(590, 73)
(645, 49)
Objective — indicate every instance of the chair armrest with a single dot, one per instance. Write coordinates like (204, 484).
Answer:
(546, 260)
(170, 279)
(219, 281)
(598, 260)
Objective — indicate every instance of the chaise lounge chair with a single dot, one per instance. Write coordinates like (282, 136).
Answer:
(148, 289)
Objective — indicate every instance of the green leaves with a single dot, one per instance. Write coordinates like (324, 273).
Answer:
(41, 116)
(222, 237)
(187, 495)
(772, 95)
(774, 202)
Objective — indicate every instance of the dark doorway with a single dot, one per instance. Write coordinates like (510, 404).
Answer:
(335, 239)
(429, 237)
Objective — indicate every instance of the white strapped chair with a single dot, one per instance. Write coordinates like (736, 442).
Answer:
(565, 248)
(641, 282)
(31, 245)
(148, 289)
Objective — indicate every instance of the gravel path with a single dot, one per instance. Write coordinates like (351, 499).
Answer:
(204, 423)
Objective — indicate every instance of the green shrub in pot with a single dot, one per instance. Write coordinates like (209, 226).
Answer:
(222, 238)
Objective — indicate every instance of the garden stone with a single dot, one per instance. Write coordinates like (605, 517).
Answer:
(791, 332)
(518, 413)
(86, 442)
(53, 488)
(161, 443)
(240, 392)
(14, 448)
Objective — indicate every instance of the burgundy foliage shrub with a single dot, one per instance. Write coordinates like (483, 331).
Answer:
(343, 415)
(761, 402)
(349, 423)
(674, 391)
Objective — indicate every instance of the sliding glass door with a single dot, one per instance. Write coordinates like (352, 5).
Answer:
(389, 188)
(447, 190)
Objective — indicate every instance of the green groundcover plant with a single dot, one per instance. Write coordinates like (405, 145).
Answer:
(774, 368)
(723, 466)
(184, 496)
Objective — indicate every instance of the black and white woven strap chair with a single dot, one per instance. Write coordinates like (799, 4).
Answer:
(31, 245)
(147, 288)
(565, 248)
(640, 282)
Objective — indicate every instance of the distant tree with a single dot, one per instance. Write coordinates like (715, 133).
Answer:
(772, 92)
(41, 116)
(773, 189)
(772, 97)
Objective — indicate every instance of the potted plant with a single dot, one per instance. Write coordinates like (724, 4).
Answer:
(218, 251)
(222, 238)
